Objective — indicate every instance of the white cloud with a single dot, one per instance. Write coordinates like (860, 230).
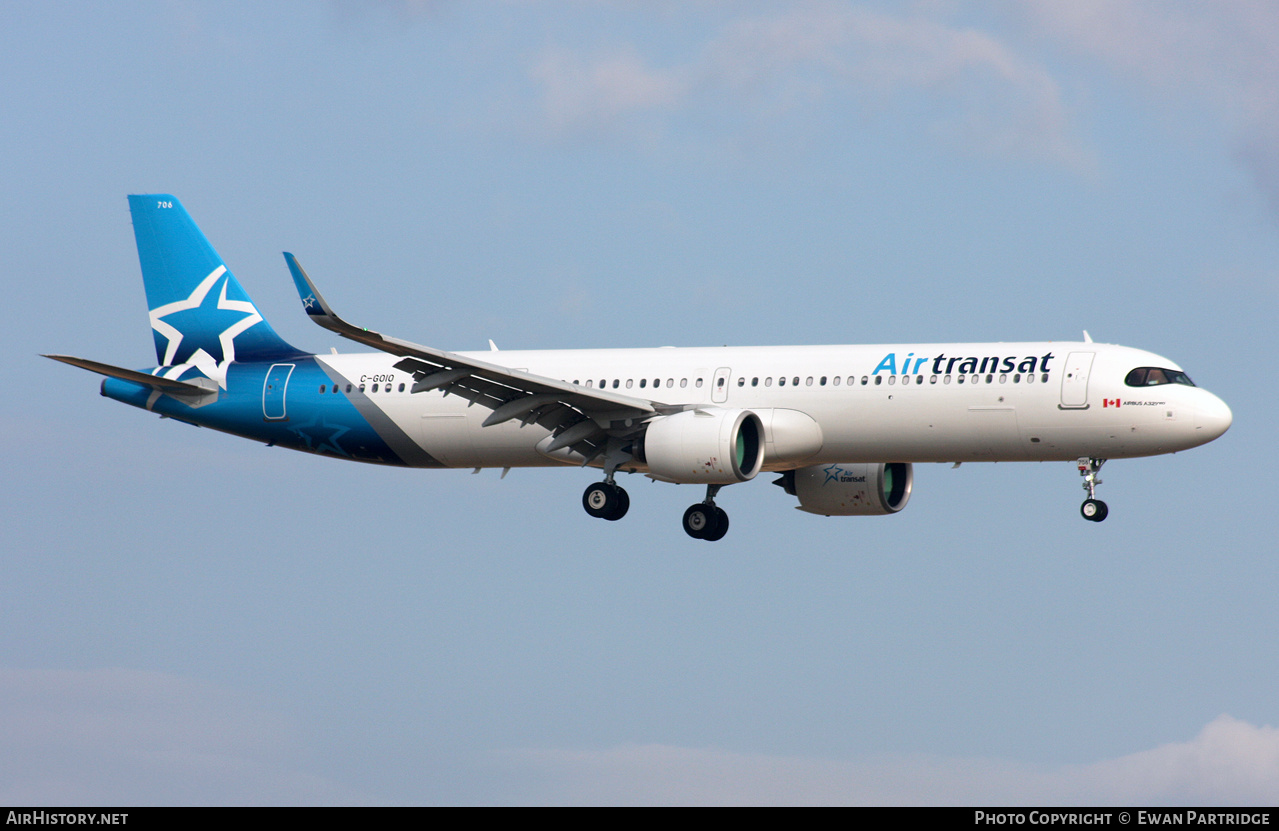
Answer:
(1229, 762)
(978, 90)
(116, 736)
(594, 94)
(1217, 57)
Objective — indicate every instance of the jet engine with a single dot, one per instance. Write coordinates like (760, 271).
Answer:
(850, 490)
(709, 446)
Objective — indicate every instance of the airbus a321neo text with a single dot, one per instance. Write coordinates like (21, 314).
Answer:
(842, 425)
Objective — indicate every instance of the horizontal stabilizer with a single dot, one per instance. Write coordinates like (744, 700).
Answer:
(199, 387)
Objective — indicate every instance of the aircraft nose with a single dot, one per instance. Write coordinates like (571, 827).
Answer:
(1212, 417)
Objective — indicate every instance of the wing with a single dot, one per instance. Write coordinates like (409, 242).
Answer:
(581, 418)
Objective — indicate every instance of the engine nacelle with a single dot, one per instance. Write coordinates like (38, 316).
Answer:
(851, 490)
(709, 446)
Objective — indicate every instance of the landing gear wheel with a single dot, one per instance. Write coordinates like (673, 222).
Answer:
(705, 522)
(606, 501)
(623, 505)
(700, 520)
(1094, 510)
(721, 526)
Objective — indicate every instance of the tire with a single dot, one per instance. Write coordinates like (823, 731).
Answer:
(1094, 510)
(721, 526)
(600, 499)
(623, 505)
(700, 520)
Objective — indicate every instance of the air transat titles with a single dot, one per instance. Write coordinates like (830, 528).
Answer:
(947, 365)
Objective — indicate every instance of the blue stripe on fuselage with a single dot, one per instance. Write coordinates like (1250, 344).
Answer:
(327, 424)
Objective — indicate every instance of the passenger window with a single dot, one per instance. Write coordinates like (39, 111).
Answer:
(932, 379)
(755, 381)
(850, 380)
(919, 379)
(808, 382)
(699, 383)
(822, 382)
(835, 380)
(741, 381)
(879, 379)
(781, 382)
(795, 381)
(670, 382)
(401, 386)
(643, 383)
(892, 379)
(683, 382)
(629, 382)
(617, 382)
(768, 382)
(323, 388)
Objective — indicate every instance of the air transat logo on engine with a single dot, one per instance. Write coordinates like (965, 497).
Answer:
(837, 474)
(911, 364)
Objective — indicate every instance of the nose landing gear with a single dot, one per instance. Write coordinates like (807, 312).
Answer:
(1093, 509)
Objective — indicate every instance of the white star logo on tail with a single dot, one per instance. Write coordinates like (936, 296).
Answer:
(201, 359)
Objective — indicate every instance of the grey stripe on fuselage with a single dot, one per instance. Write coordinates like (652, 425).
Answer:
(409, 451)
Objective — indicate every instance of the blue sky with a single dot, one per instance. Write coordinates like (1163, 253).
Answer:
(191, 618)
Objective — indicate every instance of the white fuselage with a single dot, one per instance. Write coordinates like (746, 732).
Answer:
(901, 403)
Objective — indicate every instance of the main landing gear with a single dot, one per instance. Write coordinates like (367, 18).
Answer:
(703, 521)
(1093, 509)
(706, 520)
(606, 500)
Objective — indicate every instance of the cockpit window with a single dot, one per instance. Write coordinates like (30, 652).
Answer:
(1151, 376)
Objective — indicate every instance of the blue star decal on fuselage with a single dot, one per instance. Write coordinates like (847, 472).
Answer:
(320, 436)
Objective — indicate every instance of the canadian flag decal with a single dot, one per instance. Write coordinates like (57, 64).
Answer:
(1110, 402)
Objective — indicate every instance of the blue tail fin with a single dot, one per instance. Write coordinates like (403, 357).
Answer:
(199, 313)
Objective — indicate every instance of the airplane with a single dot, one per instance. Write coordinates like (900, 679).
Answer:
(841, 425)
